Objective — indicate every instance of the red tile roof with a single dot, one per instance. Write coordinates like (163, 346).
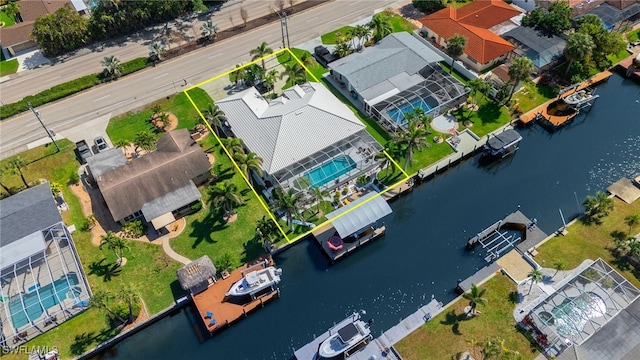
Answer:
(472, 22)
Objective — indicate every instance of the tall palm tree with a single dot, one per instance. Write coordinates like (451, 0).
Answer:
(226, 194)
(215, 116)
(289, 202)
(266, 228)
(319, 194)
(209, 29)
(381, 26)
(144, 140)
(559, 265)
(519, 70)
(115, 244)
(455, 48)
(260, 52)
(579, 46)
(294, 73)
(597, 207)
(414, 138)
(475, 297)
(112, 66)
(270, 80)
(478, 85)
(15, 166)
(362, 33)
(156, 50)
(130, 294)
(100, 300)
(631, 220)
(240, 74)
(536, 276)
(249, 162)
(233, 145)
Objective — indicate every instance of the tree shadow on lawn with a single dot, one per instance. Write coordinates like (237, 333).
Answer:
(453, 319)
(83, 341)
(224, 174)
(489, 112)
(253, 248)
(176, 290)
(202, 229)
(104, 270)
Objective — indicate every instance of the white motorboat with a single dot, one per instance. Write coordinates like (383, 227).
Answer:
(345, 337)
(578, 98)
(255, 281)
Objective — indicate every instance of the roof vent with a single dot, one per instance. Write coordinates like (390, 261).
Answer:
(299, 112)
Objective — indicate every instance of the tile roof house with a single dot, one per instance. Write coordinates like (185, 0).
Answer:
(157, 185)
(474, 21)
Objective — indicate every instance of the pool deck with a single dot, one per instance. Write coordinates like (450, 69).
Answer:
(227, 311)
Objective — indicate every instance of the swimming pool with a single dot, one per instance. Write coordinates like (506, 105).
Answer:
(330, 170)
(571, 316)
(397, 113)
(35, 306)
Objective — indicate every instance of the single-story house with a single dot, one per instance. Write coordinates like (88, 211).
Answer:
(484, 47)
(157, 186)
(41, 278)
(307, 137)
(395, 76)
(540, 48)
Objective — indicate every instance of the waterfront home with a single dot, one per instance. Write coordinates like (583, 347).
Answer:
(306, 138)
(157, 186)
(42, 281)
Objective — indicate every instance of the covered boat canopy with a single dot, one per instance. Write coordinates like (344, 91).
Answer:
(360, 213)
(504, 139)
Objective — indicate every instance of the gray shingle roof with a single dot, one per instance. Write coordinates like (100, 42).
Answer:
(397, 53)
(305, 120)
(27, 212)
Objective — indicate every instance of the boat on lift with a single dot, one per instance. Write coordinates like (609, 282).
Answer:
(255, 281)
(579, 98)
(500, 145)
(345, 337)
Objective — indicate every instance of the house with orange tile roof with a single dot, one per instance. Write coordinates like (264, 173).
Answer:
(474, 21)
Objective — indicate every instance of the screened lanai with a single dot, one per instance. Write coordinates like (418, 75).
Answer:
(579, 308)
(436, 94)
(333, 165)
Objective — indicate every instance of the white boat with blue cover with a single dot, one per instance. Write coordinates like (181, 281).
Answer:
(345, 337)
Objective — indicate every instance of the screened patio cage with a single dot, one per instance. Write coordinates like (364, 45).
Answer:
(332, 166)
(436, 94)
(584, 304)
(42, 290)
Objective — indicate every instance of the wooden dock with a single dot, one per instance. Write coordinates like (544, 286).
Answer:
(398, 190)
(227, 311)
(627, 68)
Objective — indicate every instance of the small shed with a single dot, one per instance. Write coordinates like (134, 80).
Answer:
(197, 275)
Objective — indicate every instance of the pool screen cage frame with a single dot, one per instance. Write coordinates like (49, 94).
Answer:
(59, 257)
(599, 278)
(437, 84)
(360, 147)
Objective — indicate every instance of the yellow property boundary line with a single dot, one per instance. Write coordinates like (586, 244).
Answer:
(260, 199)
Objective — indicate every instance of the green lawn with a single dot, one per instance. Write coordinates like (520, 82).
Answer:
(399, 23)
(459, 3)
(330, 38)
(489, 116)
(317, 70)
(591, 242)
(6, 19)
(8, 67)
(532, 95)
(447, 334)
(616, 58)
(633, 35)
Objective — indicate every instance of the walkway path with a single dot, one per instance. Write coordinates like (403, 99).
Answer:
(166, 246)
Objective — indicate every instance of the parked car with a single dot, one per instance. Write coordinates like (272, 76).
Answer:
(100, 144)
(83, 151)
(324, 55)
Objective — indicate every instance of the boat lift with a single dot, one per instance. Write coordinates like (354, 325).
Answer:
(497, 243)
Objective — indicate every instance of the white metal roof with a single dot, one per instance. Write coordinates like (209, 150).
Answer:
(306, 119)
(364, 211)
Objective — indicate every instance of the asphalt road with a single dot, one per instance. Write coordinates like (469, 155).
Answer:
(136, 90)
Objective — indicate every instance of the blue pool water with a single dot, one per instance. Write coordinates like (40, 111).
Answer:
(330, 170)
(571, 316)
(33, 306)
(397, 114)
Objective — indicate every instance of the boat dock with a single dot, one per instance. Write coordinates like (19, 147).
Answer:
(324, 233)
(406, 186)
(627, 68)
(218, 312)
(465, 143)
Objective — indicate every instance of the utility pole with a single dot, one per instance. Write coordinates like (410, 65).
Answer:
(284, 28)
(49, 132)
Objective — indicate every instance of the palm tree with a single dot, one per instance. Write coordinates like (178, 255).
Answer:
(381, 26)
(156, 50)
(307, 59)
(631, 220)
(234, 146)
(294, 73)
(249, 162)
(11, 9)
(536, 276)
(115, 244)
(475, 297)
(362, 33)
(15, 166)
(342, 49)
(100, 300)
(226, 194)
(209, 29)
(260, 52)
(455, 48)
(121, 143)
(478, 85)
(270, 80)
(596, 207)
(518, 72)
(579, 46)
(319, 194)
(112, 66)
(414, 138)
(266, 228)
(559, 265)
(215, 116)
(144, 140)
(129, 293)
(240, 74)
(287, 202)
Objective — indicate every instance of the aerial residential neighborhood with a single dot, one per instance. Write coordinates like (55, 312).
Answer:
(320, 179)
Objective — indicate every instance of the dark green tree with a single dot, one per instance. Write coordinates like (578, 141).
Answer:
(62, 31)
(455, 48)
(428, 6)
(288, 202)
(381, 26)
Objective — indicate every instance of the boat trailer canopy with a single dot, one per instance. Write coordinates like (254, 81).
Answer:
(360, 213)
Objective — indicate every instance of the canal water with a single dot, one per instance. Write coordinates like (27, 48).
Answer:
(422, 255)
